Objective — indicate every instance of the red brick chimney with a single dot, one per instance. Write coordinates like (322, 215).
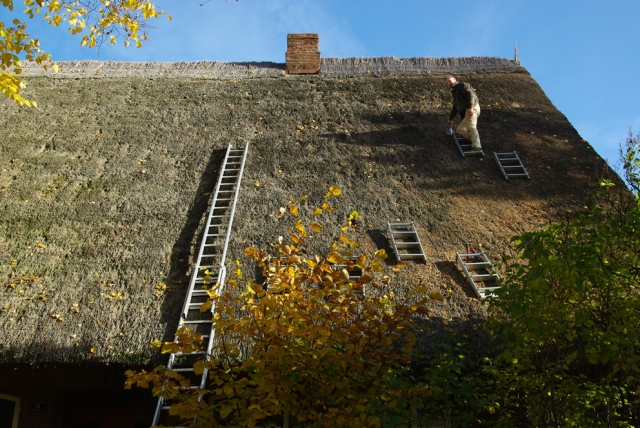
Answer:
(303, 56)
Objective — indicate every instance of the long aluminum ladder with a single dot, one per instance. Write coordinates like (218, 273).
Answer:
(209, 268)
(510, 165)
(405, 241)
(464, 146)
(477, 268)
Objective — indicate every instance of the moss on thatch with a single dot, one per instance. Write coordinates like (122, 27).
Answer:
(104, 188)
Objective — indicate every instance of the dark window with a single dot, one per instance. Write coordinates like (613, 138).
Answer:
(8, 411)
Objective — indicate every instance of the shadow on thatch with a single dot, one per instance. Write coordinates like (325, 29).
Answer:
(450, 270)
(178, 274)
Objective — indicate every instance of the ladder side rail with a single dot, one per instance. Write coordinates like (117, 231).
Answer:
(424, 256)
(233, 205)
(393, 241)
(203, 380)
(468, 275)
(455, 138)
(504, 174)
(523, 168)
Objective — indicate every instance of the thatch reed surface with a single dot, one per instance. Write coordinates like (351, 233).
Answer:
(331, 67)
(104, 188)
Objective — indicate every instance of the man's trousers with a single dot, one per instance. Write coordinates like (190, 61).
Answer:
(468, 127)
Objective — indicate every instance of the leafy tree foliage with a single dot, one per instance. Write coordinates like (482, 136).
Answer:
(301, 344)
(98, 21)
(630, 160)
(567, 324)
(461, 386)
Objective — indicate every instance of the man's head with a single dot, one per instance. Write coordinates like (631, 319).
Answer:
(450, 81)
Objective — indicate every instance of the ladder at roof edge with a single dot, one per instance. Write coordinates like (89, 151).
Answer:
(211, 257)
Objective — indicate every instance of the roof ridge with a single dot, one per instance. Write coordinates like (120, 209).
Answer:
(331, 67)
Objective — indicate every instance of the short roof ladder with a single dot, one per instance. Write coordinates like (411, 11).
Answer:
(354, 275)
(510, 165)
(464, 145)
(477, 268)
(405, 241)
(209, 268)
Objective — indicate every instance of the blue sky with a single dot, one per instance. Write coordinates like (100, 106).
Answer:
(583, 53)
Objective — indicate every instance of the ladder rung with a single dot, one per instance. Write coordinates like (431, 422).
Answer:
(483, 277)
(186, 369)
(477, 265)
(197, 322)
(407, 244)
(412, 256)
(180, 354)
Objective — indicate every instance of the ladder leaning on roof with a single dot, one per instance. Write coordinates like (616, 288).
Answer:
(210, 262)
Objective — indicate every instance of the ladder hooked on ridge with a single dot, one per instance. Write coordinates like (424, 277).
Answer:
(477, 268)
(209, 268)
(405, 241)
(464, 145)
(510, 165)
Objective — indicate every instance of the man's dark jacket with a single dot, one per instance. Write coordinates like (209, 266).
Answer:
(464, 97)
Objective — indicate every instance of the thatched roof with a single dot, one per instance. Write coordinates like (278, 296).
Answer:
(104, 187)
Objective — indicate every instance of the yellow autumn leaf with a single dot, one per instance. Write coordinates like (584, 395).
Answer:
(93, 350)
(311, 263)
(316, 227)
(317, 211)
(400, 265)
(335, 190)
(381, 254)
(302, 198)
(365, 278)
(419, 289)
(233, 283)
(257, 184)
(361, 262)
(281, 212)
(155, 343)
(294, 210)
(334, 258)
(238, 273)
(436, 296)
(345, 239)
(251, 251)
(238, 263)
(301, 228)
(327, 207)
(376, 266)
(206, 306)
(294, 238)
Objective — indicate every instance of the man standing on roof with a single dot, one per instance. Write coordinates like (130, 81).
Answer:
(465, 102)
